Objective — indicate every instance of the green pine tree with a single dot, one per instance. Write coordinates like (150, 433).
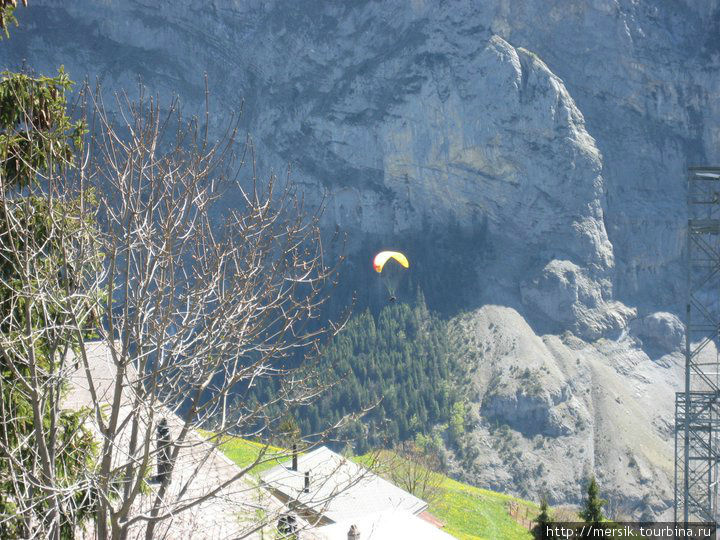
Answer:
(38, 140)
(592, 508)
(542, 520)
(402, 359)
(7, 14)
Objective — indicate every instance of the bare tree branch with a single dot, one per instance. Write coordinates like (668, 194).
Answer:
(194, 307)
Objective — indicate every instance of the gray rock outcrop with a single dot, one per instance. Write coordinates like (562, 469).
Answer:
(662, 332)
(550, 410)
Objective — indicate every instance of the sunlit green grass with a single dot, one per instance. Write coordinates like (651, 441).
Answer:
(468, 512)
(244, 453)
(471, 513)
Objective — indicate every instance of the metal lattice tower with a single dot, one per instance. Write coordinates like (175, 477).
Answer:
(697, 409)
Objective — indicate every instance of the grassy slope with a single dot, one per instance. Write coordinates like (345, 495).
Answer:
(468, 512)
(244, 453)
(471, 513)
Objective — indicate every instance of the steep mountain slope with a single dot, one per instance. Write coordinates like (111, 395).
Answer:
(563, 128)
(553, 409)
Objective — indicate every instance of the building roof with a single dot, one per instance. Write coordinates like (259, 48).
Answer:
(388, 525)
(200, 468)
(340, 490)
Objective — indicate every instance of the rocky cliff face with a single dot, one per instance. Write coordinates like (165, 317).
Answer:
(565, 126)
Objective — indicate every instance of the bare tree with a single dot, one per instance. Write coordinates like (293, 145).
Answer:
(165, 312)
(415, 469)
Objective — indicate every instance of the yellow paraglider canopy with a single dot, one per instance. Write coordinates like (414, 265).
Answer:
(384, 256)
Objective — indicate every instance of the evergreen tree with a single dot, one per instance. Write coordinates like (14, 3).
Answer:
(542, 520)
(45, 450)
(592, 508)
(288, 432)
(457, 422)
(7, 14)
(403, 365)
